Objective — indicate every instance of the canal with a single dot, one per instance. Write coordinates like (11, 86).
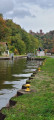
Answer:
(13, 74)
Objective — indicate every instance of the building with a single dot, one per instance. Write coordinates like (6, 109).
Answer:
(37, 33)
(40, 53)
(4, 49)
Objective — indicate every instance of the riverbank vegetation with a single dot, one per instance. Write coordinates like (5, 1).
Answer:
(39, 104)
(47, 40)
(19, 41)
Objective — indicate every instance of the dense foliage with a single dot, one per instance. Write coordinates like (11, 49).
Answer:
(47, 40)
(19, 41)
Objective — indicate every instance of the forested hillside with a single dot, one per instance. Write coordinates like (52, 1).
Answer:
(47, 40)
(19, 41)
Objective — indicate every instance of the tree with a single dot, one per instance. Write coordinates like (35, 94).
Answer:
(18, 43)
(1, 15)
(3, 28)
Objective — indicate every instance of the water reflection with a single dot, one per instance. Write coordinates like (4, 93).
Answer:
(29, 70)
(13, 74)
(22, 75)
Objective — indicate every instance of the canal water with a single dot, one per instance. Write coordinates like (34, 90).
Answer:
(13, 74)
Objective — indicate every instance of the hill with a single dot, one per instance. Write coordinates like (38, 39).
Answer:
(19, 41)
(47, 39)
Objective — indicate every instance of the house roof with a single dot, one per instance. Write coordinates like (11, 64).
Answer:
(3, 43)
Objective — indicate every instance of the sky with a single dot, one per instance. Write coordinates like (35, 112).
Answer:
(30, 14)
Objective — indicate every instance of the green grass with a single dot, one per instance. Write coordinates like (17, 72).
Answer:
(39, 104)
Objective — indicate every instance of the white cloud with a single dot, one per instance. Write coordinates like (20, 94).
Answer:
(20, 13)
(44, 19)
(30, 14)
(6, 5)
(42, 3)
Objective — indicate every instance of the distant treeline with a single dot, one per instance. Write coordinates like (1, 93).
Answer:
(47, 40)
(19, 41)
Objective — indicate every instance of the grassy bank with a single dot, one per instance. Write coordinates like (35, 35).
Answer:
(39, 104)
